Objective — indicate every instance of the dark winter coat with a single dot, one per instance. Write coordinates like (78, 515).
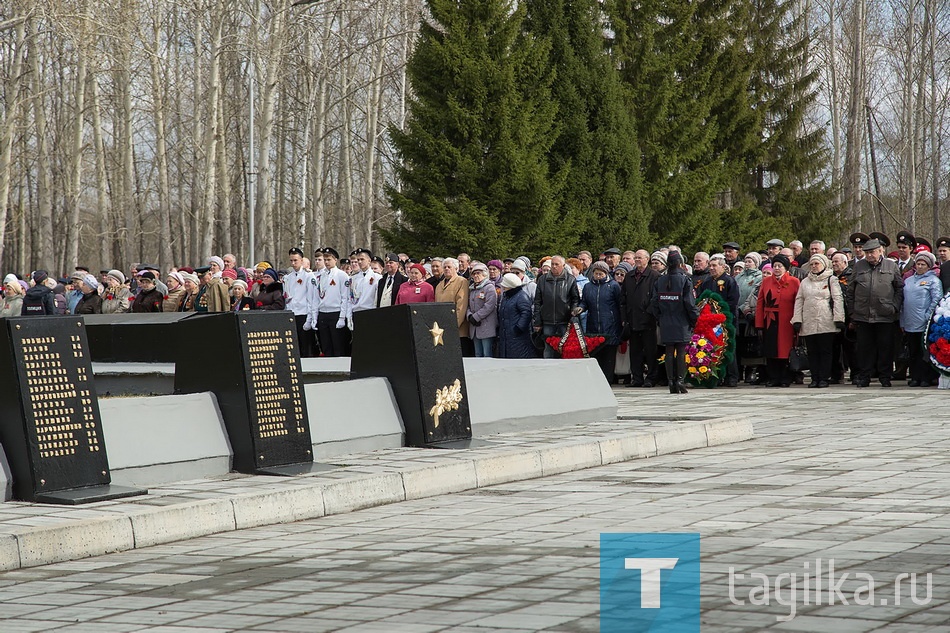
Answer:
(150, 301)
(271, 297)
(514, 325)
(875, 293)
(38, 301)
(601, 301)
(674, 306)
(635, 299)
(398, 280)
(89, 304)
(726, 287)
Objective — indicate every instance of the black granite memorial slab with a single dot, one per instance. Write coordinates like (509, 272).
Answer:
(416, 346)
(50, 426)
(251, 363)
(134, 338)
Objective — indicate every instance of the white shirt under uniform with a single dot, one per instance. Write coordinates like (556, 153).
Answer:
(300, 287)
(362, 294)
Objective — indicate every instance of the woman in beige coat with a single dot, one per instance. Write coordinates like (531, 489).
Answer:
(819, 314)
(453, 288)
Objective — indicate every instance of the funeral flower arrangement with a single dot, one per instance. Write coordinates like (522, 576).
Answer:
(938, 336)
(713, 344)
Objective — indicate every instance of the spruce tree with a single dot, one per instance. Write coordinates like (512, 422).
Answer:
(472, 166)
(668, 52)
(599, 205)
(786, 180)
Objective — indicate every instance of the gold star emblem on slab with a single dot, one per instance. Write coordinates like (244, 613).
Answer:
(436, 333)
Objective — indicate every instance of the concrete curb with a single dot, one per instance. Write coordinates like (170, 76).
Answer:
(460, 470)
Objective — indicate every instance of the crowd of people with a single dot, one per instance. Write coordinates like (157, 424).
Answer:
(860, 310)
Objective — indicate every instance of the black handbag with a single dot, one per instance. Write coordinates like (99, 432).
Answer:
(798, 357)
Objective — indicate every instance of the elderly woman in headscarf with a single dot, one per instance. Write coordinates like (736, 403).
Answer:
(271, 296)
(190, 283)
(12, 297)
(773, 319)
(818, 315)
(91, 301)
(117, 297)
(176, 291)
(239, 299)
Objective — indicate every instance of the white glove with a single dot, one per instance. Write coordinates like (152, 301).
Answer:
(349, 323)
(307, 326)
(341, 323)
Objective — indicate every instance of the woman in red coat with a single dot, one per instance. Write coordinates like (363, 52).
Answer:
(773, 319)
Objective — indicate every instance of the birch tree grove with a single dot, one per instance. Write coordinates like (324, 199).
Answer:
(166, 131)
(125, 128)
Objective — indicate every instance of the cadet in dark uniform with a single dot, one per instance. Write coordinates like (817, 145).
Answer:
(858, 240)
(943, 260)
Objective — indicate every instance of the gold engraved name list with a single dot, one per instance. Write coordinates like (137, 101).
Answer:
(61, 405)
(277, 403)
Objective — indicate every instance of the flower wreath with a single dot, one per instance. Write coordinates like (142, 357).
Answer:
(573, 344)
(713, 344)
(937, 336)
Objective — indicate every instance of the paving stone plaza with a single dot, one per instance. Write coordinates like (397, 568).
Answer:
(857, 477)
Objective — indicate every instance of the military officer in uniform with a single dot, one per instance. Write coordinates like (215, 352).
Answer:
(858, 240)
(906, 243)
(300, 288)
(326, 311)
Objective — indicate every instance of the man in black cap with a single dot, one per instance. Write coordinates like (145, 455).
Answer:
(880, 237)
(773, 247)
(858, 240)
(943, 260)
(300, 291)
(906, 243)
(326, 311)
(731, 252)
(389, 284)
(363, 284)
(149, 298)
(874, 298)
(38, 300)
(612, 258)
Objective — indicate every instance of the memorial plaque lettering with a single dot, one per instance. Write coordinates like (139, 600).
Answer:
(249, 360)
(51, 429)
(275, 383)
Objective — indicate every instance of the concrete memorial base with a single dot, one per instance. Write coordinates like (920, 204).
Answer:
(160, 439)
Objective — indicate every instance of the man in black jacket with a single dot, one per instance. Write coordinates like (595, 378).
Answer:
(555, 302)
(388, 286)
(638, 322)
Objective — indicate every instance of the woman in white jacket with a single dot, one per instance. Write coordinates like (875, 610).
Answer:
(819, 313)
